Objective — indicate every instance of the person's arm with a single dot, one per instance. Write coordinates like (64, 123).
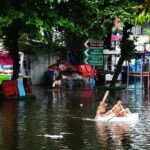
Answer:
(122, 108)
(113, 108)
(105, 105)
(98, 110)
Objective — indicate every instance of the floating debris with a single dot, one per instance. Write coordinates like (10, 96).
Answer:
(52, 136)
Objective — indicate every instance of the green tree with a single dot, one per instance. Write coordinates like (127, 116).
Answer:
(141, 15)
(74, 20)
(29, 19)
(143, 12)
(125, 10)
(102, 16)
(17, 18)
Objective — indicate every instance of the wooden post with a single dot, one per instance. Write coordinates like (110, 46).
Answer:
(148, 79)
(93, 69)
(128, 76)
(142, 72)
(148, 75)
(103, 100)
(105, 96)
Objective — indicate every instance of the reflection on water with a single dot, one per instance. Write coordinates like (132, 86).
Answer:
(56, 120)
(116, 133)
(8, 125)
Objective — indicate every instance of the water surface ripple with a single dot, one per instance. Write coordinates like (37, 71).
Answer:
(62, 119)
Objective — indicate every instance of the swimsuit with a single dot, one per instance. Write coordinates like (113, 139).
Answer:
(120, 115)
(102, 114)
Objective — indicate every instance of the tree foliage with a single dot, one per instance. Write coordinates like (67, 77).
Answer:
(143, 15)
(60, 23)
(25, 17)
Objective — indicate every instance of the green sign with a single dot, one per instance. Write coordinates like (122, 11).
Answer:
(94, 56)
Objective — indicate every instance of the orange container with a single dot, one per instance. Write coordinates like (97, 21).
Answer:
(30, 88)
(10, 88)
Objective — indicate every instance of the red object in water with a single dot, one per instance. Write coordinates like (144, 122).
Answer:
(27, 84)
(10, 88)
(60, 67)
(87, 71)
(84, 70)
(30, 88)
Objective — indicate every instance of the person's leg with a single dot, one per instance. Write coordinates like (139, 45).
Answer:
(128, 111)
(109, 113)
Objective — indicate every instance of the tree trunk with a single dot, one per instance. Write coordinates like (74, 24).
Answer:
(107, 42)
(124, 53)
(11, 43)
(14, 52)
(117, 71)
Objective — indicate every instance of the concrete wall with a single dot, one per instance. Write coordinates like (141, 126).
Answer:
(39, 65)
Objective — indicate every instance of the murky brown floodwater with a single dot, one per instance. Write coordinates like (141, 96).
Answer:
(56, 120)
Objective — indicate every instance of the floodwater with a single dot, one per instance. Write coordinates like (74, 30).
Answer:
(62, 119)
